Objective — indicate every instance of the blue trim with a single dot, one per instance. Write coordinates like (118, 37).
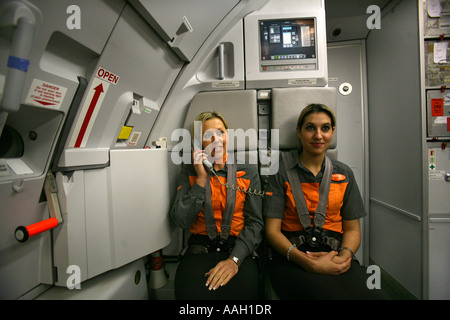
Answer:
(18, 63)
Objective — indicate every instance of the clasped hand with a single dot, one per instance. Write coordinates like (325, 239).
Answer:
(328, 262)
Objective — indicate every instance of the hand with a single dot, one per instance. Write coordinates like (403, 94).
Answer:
(328, 263)
(340, 258)
(221, 274)
(198, 156)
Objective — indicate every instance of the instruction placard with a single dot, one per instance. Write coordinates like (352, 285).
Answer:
(45, 94)
(437, 107)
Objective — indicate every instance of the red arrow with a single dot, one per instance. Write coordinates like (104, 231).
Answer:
(45, 103)
(87, 118)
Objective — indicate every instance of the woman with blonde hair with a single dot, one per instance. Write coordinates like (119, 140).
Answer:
(225, 224)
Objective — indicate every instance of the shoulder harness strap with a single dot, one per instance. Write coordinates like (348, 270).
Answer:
(227, 217)
(299, 199)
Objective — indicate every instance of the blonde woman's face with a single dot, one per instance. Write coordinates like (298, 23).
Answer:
(215, 138)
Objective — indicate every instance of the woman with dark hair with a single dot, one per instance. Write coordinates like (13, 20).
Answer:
(312, 209)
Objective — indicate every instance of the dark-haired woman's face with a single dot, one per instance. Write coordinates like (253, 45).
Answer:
(316, 133)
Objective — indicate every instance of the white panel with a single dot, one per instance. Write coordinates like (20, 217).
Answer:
(84, 157)
(98, 232)
(139, 203)
(115, 215)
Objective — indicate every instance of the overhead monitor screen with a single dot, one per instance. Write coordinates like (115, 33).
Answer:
(288, 41)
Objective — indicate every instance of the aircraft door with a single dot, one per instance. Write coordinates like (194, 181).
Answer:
(112, 189)
(58, 56)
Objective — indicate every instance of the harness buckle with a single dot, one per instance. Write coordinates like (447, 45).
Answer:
(314, 237)
(218, 245)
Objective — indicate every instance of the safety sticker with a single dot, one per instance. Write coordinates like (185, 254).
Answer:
(297, 82)
(437, 107)
(4, 171)
(134, 138)
(431, 160)
(225, 84)
(436, 175)
(45, 94)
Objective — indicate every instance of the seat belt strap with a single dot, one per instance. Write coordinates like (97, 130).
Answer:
(231, 203)
(211, 227)
(227, 216)
(297, 192)
(324, 191)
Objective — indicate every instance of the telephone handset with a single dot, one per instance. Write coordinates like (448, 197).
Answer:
(210, 168)
(206, 163)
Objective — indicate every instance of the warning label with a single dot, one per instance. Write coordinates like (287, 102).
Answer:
(45, 94)
(437, 107)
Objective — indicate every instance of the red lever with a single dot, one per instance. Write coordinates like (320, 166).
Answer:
(23, 233)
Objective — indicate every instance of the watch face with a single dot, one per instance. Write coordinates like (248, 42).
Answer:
(235, 259)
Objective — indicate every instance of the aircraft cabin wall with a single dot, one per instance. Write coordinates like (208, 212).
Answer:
(84, 105)
(98, 105)
(89, 84)
(81, 99)
(409, 190)
(391, 188)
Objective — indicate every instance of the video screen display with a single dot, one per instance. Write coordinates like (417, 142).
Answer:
(287, 39)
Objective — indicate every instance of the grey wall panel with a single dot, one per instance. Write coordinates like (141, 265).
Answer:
(395, 244)
(393, 68)
(394, 110)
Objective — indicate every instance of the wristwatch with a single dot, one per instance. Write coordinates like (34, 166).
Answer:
(236, 259)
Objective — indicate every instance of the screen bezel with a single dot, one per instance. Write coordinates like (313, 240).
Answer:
(293, 61)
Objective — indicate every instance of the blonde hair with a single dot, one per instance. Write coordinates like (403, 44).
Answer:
(208, 115)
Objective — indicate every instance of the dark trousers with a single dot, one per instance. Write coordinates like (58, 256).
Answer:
(190, 279)
(291, 281)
